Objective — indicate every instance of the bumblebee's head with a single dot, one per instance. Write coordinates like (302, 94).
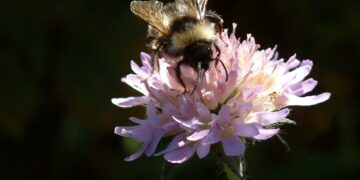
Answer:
(198, 52)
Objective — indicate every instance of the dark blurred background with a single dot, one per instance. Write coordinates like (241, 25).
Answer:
(61, 63)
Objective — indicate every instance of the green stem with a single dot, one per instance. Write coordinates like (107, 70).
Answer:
(234, 167)
(167, 168)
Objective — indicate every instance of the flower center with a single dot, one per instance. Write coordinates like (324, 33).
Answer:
(273, 96)
(225, 129)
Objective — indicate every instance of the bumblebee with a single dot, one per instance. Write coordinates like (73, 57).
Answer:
(181, 28)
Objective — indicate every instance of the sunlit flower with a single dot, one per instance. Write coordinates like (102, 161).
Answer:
(251, 104)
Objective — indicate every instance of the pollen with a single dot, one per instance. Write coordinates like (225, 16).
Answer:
(273, 96)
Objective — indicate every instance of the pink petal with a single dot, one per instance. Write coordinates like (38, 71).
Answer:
(266, 133)
(233, 146)
(308, 85)
(142, 133)
(135, 82)
(301, 72)
(231, 83)
(180, 155)
(146, 61)
(138, 153)
(203, 150)
(246, 130)
(169, 108)
(203, 111)
(295, 76)
(151, 109)
(137, 120)
(267, 118)
(138, 70)
(307, 63)
(174, 144)
(130, 101)
(304, 87)
(292, 62)
(124, 131)
(154, 142)
(251, 93)
(198, 135)
(212, 138)
(186, 123)
(156, 94)
(307, 100)
(224, 113)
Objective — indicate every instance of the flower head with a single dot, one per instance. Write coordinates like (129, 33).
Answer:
(250, 103)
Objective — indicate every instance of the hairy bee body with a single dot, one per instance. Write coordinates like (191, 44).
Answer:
(182, 28)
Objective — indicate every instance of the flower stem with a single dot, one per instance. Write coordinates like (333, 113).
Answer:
(234, 167)
(166, 172)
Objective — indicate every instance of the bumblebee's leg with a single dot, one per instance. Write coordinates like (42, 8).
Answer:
(217, 56)
(218, 51)
(217, 60)
(217, 20)
(160, 45)
(153, 46)
(199, 77)
(155, 60)
(226, 72)
(178, 74)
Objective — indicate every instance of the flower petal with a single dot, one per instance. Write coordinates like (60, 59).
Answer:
(267, 118)
(151, 109)
(251, 93)
(138, 70)
(295, 76)
(157, 135)
(180, 155)
(203, 150)
(146, 61)
(204, 113)
(174, 144)
(186, 123)
(137, 120)
(303, 87)
(292, 62)
(266, 133)
(198, 135)
(307, 100)
(130, 101)
(224, 114)
(212, 138)
(233, 146)
(138, 153)
(143, 133)
(124, 131)
(135, 82)
(246, 130)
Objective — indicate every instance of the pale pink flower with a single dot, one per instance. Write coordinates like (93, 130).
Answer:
(251, 104)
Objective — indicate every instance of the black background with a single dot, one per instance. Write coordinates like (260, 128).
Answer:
(61, 63)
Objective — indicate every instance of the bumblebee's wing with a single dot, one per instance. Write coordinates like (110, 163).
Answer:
(196, 8)
(151, 12)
